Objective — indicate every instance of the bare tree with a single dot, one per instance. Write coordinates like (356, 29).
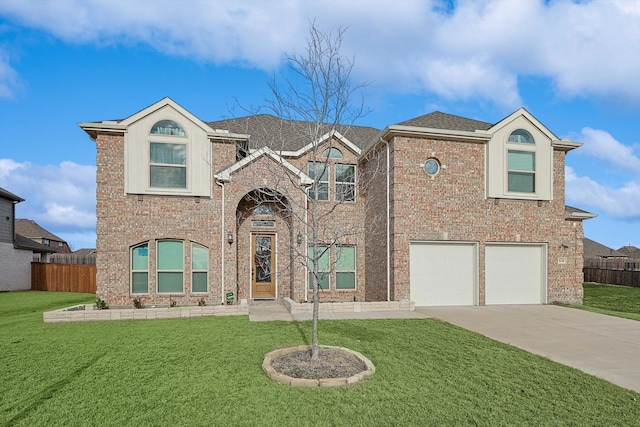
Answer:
(315, 105)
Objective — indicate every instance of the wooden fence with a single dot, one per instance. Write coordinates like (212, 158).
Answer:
(612, 271)
(63, 277)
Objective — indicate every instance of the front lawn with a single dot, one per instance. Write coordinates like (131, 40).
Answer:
(622, 301)
(206, 371)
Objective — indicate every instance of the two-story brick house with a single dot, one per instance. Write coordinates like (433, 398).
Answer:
(440, 209)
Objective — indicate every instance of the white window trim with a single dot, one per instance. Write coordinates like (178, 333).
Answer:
(328, 181)
(522, 147)
(193, 244)
(336, 182)
(168, 140)
(354, 271)
(131, 270)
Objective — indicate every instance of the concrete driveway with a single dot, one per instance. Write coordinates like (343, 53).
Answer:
(605, 346)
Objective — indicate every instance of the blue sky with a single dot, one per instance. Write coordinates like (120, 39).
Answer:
(574, 65)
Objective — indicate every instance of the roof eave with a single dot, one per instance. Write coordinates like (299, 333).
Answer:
(93, 128)
(459, 135)
(565, 145)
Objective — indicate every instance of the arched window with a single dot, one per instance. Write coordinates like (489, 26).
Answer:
(263, 210)
(521, 136)
(167, 127)
(332, 153)
(199, 267)
(140, 269)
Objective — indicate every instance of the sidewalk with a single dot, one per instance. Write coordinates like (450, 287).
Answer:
(268, 313)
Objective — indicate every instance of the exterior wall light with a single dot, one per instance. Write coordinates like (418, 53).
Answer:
(299, 238)
(229, 237)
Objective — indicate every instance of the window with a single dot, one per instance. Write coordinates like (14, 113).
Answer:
(199, 267)
(140, 269)
(167, 127)
(45, 242)
(319, 172)
(332, 153)
(521, 136)
(323, 267)
(345, 182)
(168, 164)
(345, 267)
(263, 210)
(60, 244)
(521, 167)
(170, 266)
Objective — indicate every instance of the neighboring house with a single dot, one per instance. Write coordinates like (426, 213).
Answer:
(16, 251)
(630, 251)
(452, 211)
(594, 249)
(33, 231)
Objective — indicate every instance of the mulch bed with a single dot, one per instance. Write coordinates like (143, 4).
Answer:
(331, 363)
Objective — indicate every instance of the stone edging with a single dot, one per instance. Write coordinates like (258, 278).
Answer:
(348, 307)
(322, 382)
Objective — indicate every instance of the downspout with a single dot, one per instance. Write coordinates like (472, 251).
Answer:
(388, 227)
(222, 242)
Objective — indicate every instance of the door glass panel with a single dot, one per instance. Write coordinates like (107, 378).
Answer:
(262, 259)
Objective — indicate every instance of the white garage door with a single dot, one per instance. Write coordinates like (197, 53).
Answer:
(515, 274)
(443, 273)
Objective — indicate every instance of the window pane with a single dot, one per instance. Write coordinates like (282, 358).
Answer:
(521, 136)
(168, 176)
(323, 281)
(199, 282)
(345, 173)
(140, 258)
(332, 153)
(521, 161)
(345, 192)
(319, 171)
(170, 282)
(345, 280)
(199, 257)
(169, 154)
(521, 182)
(170, 255)
(167, 127)
(345, 258)
(140, 283)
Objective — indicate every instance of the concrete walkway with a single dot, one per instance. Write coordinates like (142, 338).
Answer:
(605, 346)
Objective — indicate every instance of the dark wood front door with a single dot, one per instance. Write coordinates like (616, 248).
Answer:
(263, 280)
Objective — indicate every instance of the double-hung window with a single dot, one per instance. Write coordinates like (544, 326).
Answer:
(345, 267)
(319, 172)
(324, 270)
(199, 267)
(140, 269)
(521, 171)
(345, 182)
(170, 266)
(167, 155)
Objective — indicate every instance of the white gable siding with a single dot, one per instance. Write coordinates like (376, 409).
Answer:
(497, 161)
(137, 140)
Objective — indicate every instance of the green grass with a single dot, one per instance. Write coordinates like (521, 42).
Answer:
(206, 371)
(621, 301)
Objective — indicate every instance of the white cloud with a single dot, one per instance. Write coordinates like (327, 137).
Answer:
(9, 79)
(622, 202)
(61, 198)
(602, 145)
(478, 50)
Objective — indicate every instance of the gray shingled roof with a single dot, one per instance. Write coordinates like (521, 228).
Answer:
(32, 230)
(594, 249)
(630, 251)
(438, 120)
(28, 244)
(288, 135)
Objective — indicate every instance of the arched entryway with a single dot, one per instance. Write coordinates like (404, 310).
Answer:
(265, 242)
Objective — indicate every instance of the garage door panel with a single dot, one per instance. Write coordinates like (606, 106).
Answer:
(515, 274)
(443, 273)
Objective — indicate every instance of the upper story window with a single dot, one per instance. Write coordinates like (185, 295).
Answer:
(167, 127)
(521, 171)
(332, 153)
(521, 136)
(345, 182)
(319, 172)
(45, 242)
(168, 165)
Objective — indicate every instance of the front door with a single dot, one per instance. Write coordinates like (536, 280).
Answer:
(263, 280)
